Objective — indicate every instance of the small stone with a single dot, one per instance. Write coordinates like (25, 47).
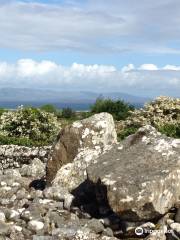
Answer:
(21, 193)
(4, 228)
(108, 232)
(16, 184)
(169, 221)
(68, 199)
(175, 227)
(3, 184)
(35, 169)
(17, 228)
(65, 232)
(95, 225)
(26, 215)
(2, 217)
(13, 172)
(14, 215)
(36, 225)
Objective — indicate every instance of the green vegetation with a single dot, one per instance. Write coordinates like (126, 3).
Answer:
(28, 126)
(68, 113)
(126, 132)
(39, 126)
(65, 113)
(171, 130)
(2, 110)
(163, 113)
(49, 108)
(82, 115)
(6, 140)
(119, 109)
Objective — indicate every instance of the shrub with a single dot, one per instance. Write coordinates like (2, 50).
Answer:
(2, 110)
(68, 113)
(119, 109)
(29, 123)
(83, 115)
(171, 130)
(163, 110)
(126, 132)
(49, 108)
(163, 113)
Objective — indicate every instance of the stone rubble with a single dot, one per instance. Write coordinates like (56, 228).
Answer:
(13, 156)
(27, 213)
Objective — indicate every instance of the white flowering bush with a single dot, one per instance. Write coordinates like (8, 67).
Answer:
(162, 113)
(30, 125)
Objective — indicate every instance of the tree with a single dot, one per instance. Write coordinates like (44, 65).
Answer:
(68, 113)
(49, 108)
(118, 108)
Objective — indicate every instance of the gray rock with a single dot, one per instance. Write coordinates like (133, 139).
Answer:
(5, 228)
(2, 217)
(87, 234)
(68, 199)
(95, 225)
(34, 212)
(12, 215)
(21, 193)
(16, 235)
(175, 227)
(65, 232)
(36, 193)
(13, 172)
(37, 237)
(35, 169)
(108, 232)
(77, 147)
(140, 176)
(35, 225)
(59, 193)
(26, 215)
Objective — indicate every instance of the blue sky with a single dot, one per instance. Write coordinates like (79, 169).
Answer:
(129, 46)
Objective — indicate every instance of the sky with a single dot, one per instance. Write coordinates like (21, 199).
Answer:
(130, 46)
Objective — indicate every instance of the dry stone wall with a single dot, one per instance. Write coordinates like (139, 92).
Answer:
(13, 156)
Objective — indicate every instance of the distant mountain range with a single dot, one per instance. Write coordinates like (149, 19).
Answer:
(13, 97)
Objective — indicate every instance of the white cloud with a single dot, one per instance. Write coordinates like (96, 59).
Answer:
(128, 68)
(30, 68)
(44, 27)
(148, 67)
(91, 26)
(47, 74)
(171, 67)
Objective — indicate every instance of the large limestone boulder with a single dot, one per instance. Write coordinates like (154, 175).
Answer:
(140, 177)
(77, 146)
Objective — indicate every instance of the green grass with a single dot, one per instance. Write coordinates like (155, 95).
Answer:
(5, 140)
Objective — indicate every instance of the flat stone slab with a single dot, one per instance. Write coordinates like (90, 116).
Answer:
(141, 175)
